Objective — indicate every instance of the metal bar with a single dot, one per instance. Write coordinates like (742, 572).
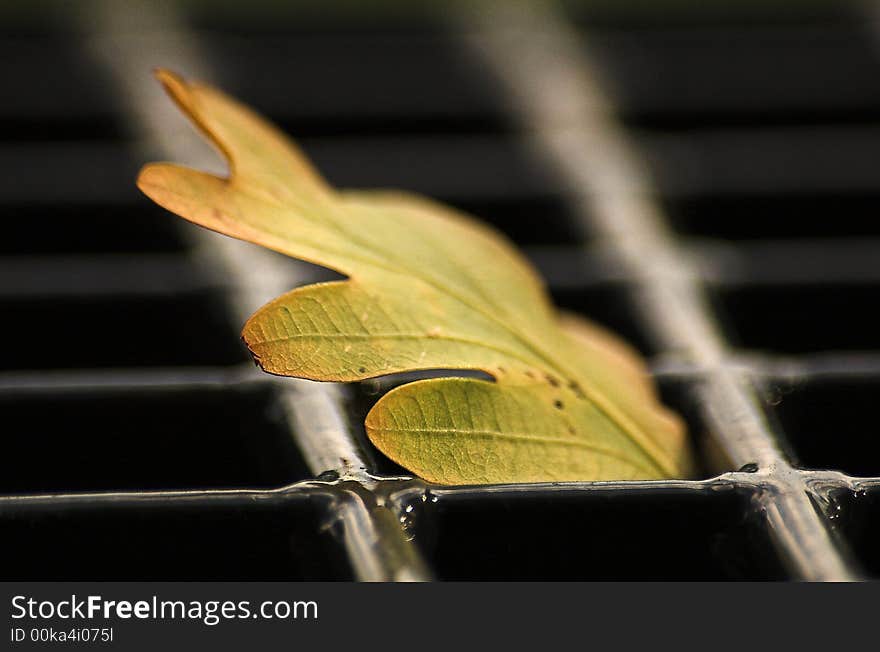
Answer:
(563, 266)
(829, 262)
(128, 40)
(763, 367)
(541, 61)
(404, 489)
(135, 498)
(724, 265)
(95, 275)
(382, 510)
(135, 379)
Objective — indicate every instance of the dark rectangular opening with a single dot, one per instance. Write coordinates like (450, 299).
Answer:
(527, 220)
(59, 128)
(701, 16)
(352, 125)
(293, 20)
(359, 82)
(564, 534)
(143, 439)
(191, 328)
(670, 76)
(764, 217)
(828, 423)
(854, 516)
(452, 168)
(54, 91)
(165, 540)
(63, 228)
(802, 318)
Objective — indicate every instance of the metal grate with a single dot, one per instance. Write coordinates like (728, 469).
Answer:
(133, 417)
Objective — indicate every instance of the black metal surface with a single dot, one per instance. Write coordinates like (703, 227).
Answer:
(766, 153)
(146, 439)
(240, 539)
(665, 534)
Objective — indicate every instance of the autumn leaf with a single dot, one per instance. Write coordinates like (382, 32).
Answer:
(427, 288)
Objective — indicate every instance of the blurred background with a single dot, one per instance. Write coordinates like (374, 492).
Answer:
(757, 126)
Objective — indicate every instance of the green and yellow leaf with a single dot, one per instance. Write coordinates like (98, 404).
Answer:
(427, 288)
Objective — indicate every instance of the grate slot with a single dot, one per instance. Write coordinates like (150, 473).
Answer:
(655, 534)
(854, 514)
(827, 421)
(802, 318)
(190, 328)
(537, 220)
(39, 70)
(431, 165)
(745, 16)
(296, 21)
(169, 540)
(140, 438)
(681, 77)
(65, 229)
(769, 215)
(67, 172)
(337, 72)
